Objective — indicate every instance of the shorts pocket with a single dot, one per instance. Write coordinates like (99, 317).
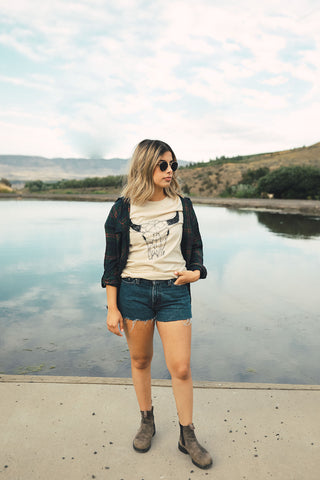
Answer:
(128, 280)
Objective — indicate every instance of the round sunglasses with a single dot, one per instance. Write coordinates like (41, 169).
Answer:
(164, 165)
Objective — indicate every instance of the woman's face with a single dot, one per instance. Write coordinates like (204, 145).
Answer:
(163, 179)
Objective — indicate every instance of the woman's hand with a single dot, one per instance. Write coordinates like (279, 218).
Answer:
(115, 321)
(187, 276)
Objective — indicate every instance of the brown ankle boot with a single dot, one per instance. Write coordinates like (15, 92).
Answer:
(142, 441)
(189, 444)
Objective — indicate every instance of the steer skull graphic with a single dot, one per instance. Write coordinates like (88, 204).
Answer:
(155, 234)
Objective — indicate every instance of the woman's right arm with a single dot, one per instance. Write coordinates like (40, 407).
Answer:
(113, 235)
(114, 317)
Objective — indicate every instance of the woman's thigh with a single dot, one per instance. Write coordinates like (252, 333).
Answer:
(139, 335)
(176, 341)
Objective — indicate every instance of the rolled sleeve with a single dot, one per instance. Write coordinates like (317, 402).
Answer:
(196, 260)
(111, 274)
(191, 243)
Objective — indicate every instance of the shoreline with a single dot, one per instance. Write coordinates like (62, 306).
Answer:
(292, 206)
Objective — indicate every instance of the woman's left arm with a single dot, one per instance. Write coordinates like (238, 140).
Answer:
(191, 247)
(195, 248)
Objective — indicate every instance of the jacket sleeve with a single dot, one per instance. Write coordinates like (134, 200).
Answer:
(111, 275)
(196, 258)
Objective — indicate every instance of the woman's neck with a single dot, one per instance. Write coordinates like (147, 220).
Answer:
(158, 195)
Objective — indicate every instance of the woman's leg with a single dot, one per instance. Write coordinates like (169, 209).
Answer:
(176, 341)
(139, 336)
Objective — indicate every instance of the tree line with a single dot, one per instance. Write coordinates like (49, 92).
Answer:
(91, 182)
(297, 182)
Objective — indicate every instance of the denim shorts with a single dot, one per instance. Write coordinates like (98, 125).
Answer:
(160, 300)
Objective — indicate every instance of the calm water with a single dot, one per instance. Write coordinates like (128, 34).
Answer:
(255, 319)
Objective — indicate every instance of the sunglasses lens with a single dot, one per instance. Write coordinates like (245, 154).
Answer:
(163, 166)
(174, 166)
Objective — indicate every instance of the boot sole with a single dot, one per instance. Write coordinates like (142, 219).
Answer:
(141, 450)
(144, 450)
(183, 450)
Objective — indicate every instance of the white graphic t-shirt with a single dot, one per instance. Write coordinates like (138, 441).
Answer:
(155, 238)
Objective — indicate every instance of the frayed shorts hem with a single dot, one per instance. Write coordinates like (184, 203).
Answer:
(156, 320)
(187, 321)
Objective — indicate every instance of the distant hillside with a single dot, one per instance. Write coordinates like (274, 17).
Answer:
(211, 179)
(22, 168)
(208, 179)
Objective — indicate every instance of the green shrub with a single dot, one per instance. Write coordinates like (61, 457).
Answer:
(251, 176)
(6, 182)
(35, 186)
(245, 191)
(291, 182)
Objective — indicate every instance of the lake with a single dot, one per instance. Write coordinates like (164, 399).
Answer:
(256, 318)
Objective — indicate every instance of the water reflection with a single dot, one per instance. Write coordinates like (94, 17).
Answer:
(291, 226)
(256, 317)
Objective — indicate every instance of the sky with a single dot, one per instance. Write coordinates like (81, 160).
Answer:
(92, 78)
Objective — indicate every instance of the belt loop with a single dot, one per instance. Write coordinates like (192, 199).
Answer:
(137, 281)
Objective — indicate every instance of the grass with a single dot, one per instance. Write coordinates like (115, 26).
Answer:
(30, 369)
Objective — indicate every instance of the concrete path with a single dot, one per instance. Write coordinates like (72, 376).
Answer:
(72, 428)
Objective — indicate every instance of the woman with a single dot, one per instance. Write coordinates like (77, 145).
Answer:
(153, 253)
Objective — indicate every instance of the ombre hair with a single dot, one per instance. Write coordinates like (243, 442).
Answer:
(140, 186)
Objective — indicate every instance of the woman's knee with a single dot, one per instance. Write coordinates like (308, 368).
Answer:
(141, 362)
(181, 371)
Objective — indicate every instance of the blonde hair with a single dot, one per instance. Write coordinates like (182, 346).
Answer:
(140, 186)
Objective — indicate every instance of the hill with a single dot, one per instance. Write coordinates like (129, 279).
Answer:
(212, 178)
(19, 168)
(207, 179)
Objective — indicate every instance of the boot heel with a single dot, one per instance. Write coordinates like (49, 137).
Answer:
(182, 449)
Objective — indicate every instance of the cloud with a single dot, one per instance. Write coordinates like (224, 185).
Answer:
(37, 82)
(275, 81)
(109, 74)
(42, 139)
